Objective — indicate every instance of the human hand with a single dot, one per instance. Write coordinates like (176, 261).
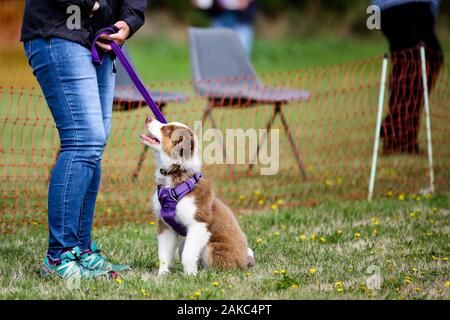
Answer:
(119, 37)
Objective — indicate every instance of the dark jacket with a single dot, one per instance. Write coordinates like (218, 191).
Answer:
(48, 18)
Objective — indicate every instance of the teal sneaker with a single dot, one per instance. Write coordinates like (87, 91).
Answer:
(68, 267)
(93, 260)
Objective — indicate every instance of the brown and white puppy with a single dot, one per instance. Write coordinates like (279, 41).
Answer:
(214, 237)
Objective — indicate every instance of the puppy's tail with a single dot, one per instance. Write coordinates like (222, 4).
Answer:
(250, 258)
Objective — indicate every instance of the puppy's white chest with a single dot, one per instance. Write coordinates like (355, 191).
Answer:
(185, 212)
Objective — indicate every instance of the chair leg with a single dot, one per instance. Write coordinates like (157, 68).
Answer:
(293, 146)
(263, 139)
(208, 114)
(143, 154)
(140, 162)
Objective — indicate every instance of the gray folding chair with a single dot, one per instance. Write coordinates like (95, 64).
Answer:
(222, 73)
(127, 97)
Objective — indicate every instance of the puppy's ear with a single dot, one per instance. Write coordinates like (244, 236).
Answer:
(183, 141)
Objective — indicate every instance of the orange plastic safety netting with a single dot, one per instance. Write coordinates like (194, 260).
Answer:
(325, 141)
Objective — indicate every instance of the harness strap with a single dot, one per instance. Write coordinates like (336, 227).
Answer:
(169, 198)
(183, 189)
(99, 55)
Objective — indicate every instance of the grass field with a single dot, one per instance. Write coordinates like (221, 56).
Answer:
(408, 240)
(322, 252)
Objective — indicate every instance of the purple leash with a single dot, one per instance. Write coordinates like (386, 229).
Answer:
(168, 197)
(97, 57)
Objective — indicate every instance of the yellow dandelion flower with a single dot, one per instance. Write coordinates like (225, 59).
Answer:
(375, 221)
(312, 270)
(261, 202)
(328, 182)
(276, 233)
(152, 223)
(108, 210)
(215, 283)
(276, 271)
(418, 198)
(242, 197)
(408, 279)
(338, 284)
(340, 289)
(375, 232)
(257, 193)
(434, 258)
(145, 293)
(322, 239)
(302, 237)
(280, 202)
(339, 231)
(357, 235)
(295, 286)
(447, 284)
(434, 210)
(429, 233)
(313, 237)
(258, 240)
(412, 214)
(414, 269)
(274, 207)
(119, 281)
(401, 197)
(248, 274)
(283, 271)
(445, 259)
(389, 193)
(197, 293)
(417, 289)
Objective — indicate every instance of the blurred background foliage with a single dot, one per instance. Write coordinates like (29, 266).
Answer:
(296, 17)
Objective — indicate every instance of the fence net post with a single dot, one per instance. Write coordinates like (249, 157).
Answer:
(378, 126)
(427, 116)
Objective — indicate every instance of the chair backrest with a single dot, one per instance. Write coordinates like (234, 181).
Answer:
(217, 53)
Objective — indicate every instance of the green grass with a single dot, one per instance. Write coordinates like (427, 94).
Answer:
(407, 240)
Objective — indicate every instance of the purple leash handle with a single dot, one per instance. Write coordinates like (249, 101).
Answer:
(98, 59)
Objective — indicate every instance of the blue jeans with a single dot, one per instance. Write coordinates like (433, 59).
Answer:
(80, 97)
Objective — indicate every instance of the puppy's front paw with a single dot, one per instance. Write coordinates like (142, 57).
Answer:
(163, 269)
(190, 272)
(190, 268)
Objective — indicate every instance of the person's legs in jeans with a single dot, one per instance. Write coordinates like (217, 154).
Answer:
(69, 82)
(106, 83)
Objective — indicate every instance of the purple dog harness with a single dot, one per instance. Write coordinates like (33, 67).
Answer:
(169, 198)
